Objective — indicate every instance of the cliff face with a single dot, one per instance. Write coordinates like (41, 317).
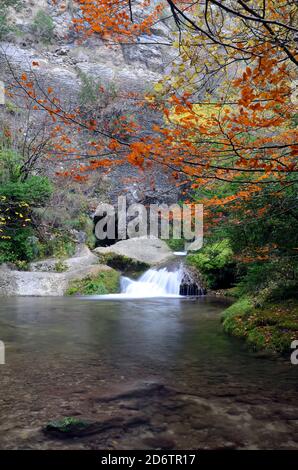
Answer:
(64, 58)
(132, 67)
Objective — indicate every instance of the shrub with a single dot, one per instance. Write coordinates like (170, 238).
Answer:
(215, 262)
(43, 26)
(270, 281)
(106, 282)
(17, 200)
(60, 267)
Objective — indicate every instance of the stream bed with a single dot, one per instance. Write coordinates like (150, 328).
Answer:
(160, 373)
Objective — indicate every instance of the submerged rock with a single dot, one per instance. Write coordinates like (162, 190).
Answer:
(72, 427)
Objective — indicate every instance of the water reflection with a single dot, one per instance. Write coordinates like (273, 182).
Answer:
(175, 338)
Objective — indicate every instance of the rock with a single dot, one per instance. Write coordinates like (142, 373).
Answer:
(7, 266)
(124, 68)
(43, 283)
(42, 280)
(83, 258)
(151, 251)
(73, 427)
(162, 442)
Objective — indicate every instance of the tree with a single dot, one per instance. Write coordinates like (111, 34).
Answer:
(248, 138)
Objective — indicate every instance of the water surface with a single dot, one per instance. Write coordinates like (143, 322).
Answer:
(165, 362)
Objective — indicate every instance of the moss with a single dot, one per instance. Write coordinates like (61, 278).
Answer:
(106, 282)
(176, 244)
(66, 424)
(69, 427)
(123, 263)
(215, 263)
(272, 327)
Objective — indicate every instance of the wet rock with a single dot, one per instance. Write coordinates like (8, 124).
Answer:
(70, 427)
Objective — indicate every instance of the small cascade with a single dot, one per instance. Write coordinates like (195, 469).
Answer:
(173, 280)
(154, 283)
(191, 284)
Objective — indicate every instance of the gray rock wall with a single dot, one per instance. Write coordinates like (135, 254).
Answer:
(128, 67)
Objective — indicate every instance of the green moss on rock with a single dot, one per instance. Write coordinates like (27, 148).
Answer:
(272, 327)
(106, 282)
(69, 427)
(123, 263)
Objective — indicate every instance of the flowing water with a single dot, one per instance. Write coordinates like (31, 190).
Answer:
(153, 283)
(161, 365)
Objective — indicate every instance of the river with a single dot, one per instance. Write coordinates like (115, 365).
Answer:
(163, 365)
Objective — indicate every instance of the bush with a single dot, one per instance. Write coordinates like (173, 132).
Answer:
(106, 282)
(215, 262)
(16, 204)
(17, 247)
(59, 246)
(270, 281)
(43, 26)
(60, 267)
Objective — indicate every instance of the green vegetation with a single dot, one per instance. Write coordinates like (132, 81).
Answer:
(18, 197)
(92, 93)
(253, 254)
(43, 26)
(123, 263)
(272, 327)
(5, 26)
(67, 425)
(106, 282)
(215, 262)
(67, 212)
(60, 267)
(176, 244)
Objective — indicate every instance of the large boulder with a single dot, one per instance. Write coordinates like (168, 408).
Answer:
(150, 251)
(43, 278)
(83, 258)
(40, 284)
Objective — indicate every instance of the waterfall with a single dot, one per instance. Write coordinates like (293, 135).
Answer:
(153, 283)
(175, 281)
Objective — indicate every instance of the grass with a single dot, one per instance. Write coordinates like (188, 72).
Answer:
(271, 327)
(106, 282)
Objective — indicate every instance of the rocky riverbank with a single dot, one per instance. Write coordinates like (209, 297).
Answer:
(87, 272)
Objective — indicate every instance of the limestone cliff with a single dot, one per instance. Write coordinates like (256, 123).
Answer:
(63, 60)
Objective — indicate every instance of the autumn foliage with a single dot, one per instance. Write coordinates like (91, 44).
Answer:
(227, 104)
(113, 19)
